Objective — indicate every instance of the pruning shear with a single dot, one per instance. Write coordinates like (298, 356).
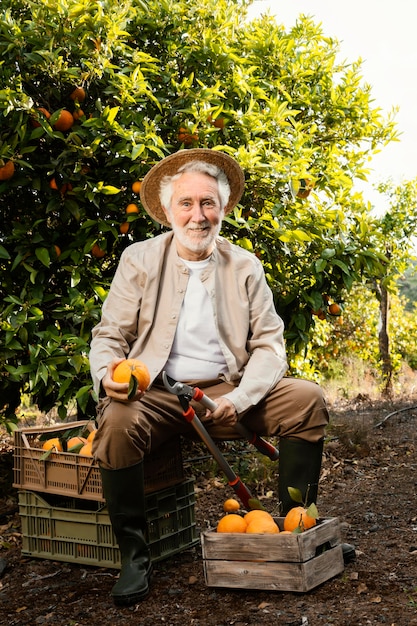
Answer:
(194, 393)
(185, 394)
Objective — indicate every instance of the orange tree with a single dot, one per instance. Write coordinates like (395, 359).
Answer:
(93, 93)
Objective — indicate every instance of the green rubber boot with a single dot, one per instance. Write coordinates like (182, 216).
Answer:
(123, 491)
(299, 467)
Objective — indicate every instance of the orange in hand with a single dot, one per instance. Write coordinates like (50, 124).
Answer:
(132, 368)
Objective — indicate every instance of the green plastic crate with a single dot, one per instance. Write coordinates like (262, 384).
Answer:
(70, 530)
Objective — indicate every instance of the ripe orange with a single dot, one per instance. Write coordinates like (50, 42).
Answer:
(7, 171)
(92, 435)
(87, 450)
(185, 137)
(52, 444)
(132, 367)
(132, 208)
(57, 250)
(297, 517)
(136, 186)
(97, 252)
(262, 526)
(257, 514)
(34, 122)
(64, 121)
(124, 228)
(75, 441)
(219, 122)
(78, 94)
(78, 113)
(231, 505)
(231, 523)
(306, 185)
(335, 309)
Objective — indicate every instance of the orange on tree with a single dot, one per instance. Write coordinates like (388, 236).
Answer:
(334, 309)
(97, 252)
(219, 122)
(124, 228)
(132, 367)
(185, 137)
(262, 526)
(64, 121)
(132, 208)
(136, 186)
(34, 122)
(57, 250)
(306, 185)
(231, 505)
(7, 170)
(231, 523)
(78, 94)
(298, 518)
(78, 113)
(52, 444)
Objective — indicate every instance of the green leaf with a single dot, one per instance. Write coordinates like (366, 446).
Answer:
(43, 255)
(133, 387)
(3, 253)
(109, 190)
(254, 504)
(296, 495)
(312, 511)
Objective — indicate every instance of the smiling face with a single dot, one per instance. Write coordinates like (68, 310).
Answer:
(195, 214)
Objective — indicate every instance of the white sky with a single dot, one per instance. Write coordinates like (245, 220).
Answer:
(383, 34)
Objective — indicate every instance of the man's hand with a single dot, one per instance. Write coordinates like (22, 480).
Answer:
(117, 391)
(225, 413)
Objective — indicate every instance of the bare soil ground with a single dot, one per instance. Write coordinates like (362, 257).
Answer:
(368, 481)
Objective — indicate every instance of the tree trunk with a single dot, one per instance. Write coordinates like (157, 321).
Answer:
(383, 342)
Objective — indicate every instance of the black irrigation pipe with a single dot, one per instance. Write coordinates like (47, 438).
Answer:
(408, 408)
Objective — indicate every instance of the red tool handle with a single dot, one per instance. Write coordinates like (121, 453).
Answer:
(234, 481)
(263, 446)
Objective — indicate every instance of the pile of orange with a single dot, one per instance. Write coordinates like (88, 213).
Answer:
(261, 522)
(254, 522)
(77, 444)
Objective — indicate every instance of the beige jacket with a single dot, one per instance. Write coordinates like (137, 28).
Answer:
(140, 314)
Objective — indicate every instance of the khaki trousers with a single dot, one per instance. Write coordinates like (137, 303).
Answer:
(127, 431)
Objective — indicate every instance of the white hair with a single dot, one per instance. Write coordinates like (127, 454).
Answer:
(165, 192)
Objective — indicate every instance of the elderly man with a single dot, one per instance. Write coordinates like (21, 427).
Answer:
(192, 304)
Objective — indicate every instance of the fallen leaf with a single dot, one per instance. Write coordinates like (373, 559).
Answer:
(263, 605)
(362, 588)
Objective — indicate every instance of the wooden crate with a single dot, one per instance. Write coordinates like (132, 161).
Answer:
(287, 562)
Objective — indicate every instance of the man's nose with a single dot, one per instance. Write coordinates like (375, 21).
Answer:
(197, 214)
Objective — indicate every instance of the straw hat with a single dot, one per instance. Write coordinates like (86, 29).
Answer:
(169, 166)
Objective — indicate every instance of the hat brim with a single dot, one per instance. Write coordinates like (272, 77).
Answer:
(169, 166)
